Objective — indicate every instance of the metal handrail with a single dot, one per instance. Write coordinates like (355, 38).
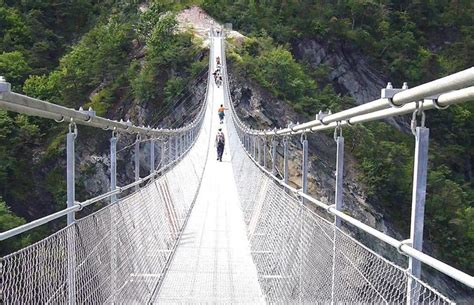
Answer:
(438, 93)
(27, 105)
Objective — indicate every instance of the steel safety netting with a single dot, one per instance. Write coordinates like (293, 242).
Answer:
(300, 256)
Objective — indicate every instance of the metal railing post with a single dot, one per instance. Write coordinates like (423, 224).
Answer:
(339, 176)
(71, 194)
(420, 174)
(170, 148)
(265, 152)
(259, 149)
(304, 169)
(152, 155)
(70, 171)
(254, 143)
(285, 160)
(113, 200)
(137, 161)
(113, 165)
(274, 156)
(162, 152)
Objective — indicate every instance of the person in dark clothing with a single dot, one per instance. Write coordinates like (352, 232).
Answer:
(220, 142)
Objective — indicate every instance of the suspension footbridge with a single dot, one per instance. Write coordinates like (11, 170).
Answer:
(196, 230)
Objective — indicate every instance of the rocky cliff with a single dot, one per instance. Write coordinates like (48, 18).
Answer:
(349, 71)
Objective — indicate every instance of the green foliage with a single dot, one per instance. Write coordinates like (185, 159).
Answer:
(171, 58)
(44, 87)
(100, 56)
(173, 87)
(15, 68)
(101, 101)
(13, 29)
(275, 69)
(55, 184)
(397, 35)
(143, 82)
(385, 163)
(9, 220)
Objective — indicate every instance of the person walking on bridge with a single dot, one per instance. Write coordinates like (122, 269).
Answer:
(220, 142)
(221, 114)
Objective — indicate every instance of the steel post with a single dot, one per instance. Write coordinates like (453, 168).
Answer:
(113, 200)
(274, 157)
(339, 176)
(162, 153)
(152, 155)
(170, 148)
(264, 152)
(304, 170)
(70, 174)
(71, 231)
(137, 161)
(420, 173)
(259, 151)
(113, 166)
(285, 160)
(254, 143)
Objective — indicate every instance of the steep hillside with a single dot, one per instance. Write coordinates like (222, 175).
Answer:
(130, 63)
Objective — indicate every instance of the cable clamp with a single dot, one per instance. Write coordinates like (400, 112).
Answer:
(90, 113)
(60, 120)
(291, 125)
(389, 92)
(434, 99)
(407, 242)
(321, 115)
(81, 206)
(418, 111)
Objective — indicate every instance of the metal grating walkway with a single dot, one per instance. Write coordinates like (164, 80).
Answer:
(213, 262)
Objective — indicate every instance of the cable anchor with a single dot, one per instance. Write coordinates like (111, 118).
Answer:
(73, 128)
(418, 112)
(114, 132)
(303, 137)
(337, 130)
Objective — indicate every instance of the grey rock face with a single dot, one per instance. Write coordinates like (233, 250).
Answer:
(349, 71)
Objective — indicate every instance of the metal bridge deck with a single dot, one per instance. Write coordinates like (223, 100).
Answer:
(213, 262)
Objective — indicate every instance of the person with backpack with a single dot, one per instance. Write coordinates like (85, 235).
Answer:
(220, 142)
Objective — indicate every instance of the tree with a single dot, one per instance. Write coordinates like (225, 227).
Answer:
(15, 68)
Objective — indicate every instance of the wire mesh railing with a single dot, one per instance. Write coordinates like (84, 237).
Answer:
(118, 254)
(300, 256)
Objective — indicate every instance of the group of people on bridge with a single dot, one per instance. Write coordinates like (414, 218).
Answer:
(220, 138)
(217, 73)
